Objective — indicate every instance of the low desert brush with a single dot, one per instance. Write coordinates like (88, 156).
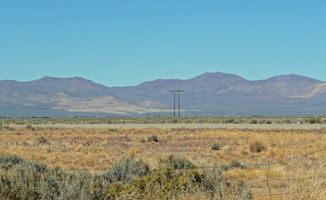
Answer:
(24, 179)
(256, 147)
(152, 138)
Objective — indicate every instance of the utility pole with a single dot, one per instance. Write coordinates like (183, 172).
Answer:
(176, 100)
(173, 101)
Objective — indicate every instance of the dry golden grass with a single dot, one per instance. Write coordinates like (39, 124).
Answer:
(96, 150)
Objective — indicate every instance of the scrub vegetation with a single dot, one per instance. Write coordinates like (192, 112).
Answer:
(134, 163)
(164, 120)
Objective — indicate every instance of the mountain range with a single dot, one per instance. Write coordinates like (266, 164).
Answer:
(211, 94)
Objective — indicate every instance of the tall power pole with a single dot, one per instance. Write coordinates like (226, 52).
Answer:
(176, 99)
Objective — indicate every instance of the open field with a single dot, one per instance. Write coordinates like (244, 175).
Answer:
(240, 155)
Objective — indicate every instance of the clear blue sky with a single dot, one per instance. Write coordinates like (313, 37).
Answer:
(127, 42)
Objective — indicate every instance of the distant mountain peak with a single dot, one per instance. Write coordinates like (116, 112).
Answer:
(293, 77)
(70, 79)
(50, 77)
(46, 78)
(218, 75)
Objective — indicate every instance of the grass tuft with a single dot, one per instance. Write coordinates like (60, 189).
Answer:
(216, 146)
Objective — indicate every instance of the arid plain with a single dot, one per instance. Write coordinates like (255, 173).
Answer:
(259, 157)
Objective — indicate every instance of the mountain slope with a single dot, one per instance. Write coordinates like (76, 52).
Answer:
(210, 93)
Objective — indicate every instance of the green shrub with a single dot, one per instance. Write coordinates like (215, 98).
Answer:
(256, 147)
(315, 120)
(4, 127)
(49, 150)
(162, 179)
(33, 180)
(287, 121)
(231, 120)
(235, 163)
(42, 139)
(8, 161)
(216, 186)
(23, 179)
(216, 146)
(127, 168)
(142, 140)
(253, 121)
(30, 127)
(152, 138)
(178, 163)
(213, 183)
